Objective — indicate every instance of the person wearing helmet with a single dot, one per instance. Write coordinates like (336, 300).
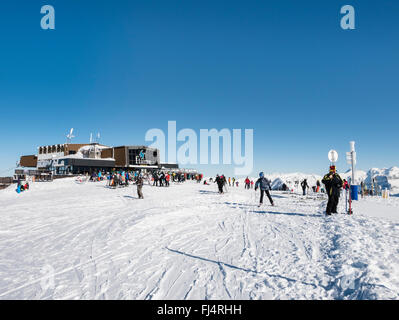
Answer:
(265, 185)
(333, 183)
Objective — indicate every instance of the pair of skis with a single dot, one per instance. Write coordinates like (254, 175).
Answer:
(348, 200)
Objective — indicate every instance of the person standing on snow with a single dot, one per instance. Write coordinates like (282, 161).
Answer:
(264, 185)
(161, 179)
(155, 177)
(247, 183)
(127, 177)
(220, 181)
(139, 183)
(304, 185)
(333, 184)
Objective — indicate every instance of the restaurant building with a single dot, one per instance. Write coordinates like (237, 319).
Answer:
(73, 159)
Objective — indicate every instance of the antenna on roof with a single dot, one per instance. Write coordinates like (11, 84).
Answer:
(70, 136)
(91, 138)
(98, 137)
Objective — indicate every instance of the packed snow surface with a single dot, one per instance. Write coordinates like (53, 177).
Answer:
(64, 240)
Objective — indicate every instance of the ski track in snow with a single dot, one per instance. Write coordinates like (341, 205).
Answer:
(189, 242)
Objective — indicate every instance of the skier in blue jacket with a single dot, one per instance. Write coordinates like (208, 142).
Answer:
(265, 186)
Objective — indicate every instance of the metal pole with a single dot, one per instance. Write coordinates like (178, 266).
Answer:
(352, 146)
(353, 169)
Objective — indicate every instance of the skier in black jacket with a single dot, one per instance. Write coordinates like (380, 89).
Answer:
(333, 183)
(264, 185)
(304, 185)
(220, 181)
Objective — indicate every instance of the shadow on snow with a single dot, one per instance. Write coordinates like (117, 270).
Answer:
(246, 205)
(219, 263)
(207, 192)
(289, 214)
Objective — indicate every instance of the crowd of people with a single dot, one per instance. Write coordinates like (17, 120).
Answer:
(232, 182)
(21, 187)
(123, 178)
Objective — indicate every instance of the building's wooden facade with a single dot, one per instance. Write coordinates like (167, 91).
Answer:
(28, 161)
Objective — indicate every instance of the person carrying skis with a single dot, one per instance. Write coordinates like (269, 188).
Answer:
(265, 185)
(304, 185)
(333, 184)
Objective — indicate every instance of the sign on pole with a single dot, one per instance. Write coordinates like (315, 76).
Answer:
(351, 159)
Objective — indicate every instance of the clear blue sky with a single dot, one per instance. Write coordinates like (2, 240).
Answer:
(284, 68)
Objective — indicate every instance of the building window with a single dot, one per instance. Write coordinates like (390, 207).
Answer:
(134, 154)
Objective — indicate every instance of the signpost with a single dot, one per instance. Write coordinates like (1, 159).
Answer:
(351, 159)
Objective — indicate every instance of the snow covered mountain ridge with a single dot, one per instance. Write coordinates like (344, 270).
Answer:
(386, 178)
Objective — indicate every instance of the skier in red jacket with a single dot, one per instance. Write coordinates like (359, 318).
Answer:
(247, 183)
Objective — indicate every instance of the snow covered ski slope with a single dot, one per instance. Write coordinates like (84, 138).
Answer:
(62, 240)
